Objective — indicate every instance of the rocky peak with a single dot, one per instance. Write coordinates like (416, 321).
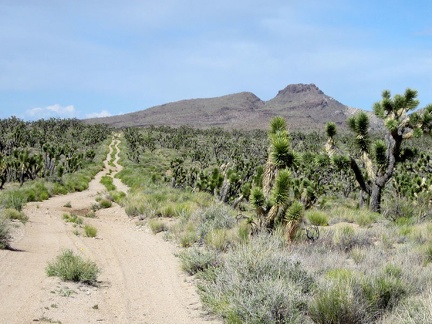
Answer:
(296, 93)
(299, 88)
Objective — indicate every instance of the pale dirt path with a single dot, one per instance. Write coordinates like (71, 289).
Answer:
(141, 281)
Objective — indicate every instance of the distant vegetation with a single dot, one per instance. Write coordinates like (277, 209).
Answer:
(45, 158)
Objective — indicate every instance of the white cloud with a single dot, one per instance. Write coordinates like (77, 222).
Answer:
(52, 111)
(103, 113)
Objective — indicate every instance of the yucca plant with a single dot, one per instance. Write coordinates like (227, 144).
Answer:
(275, 199)
(378, 160)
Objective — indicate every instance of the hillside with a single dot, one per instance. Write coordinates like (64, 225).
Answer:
(305, 107)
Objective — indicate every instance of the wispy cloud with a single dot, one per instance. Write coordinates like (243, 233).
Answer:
(55, 110)
(103, 113)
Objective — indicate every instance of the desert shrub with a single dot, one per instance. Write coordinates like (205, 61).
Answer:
(413, 310)
(70, 267)
(258, 282)
(13, 198)
(13, 214)
(346, 297)
(382, 293)
(397, 207)
(188, 237)
(118, 197)
(346, 237)
(365, 217)
(90, 231)
(427, 254)
(337, 302)
(135, 204)
(107, 181)
(105, 203)
(90, 214)
(157, 225)
(318, 218)
(215, 217)
(358, 255)
(72, 218)
(217, 239)
(197, 259)
(167, 210)
(4, 233)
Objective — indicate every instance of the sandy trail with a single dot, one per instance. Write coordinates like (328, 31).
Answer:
(141, 281)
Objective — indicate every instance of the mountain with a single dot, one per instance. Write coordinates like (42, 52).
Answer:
(304, 106)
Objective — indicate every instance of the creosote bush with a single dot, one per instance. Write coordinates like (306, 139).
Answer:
(197, 259)
(258, 282)
(71, 267)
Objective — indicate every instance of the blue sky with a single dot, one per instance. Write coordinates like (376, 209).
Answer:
(86, 58)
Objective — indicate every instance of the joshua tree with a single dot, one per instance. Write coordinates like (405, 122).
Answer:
(274, 201)
(378, 159)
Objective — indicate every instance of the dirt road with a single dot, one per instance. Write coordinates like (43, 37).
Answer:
(141, 280)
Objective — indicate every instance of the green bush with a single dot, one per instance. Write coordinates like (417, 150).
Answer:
(118, 197)
(347, 298)
(90, 231)
(13, 214)
(4, 233)
(196, 259)
(70, 267)
(337, 302)
(105, 203)
(317, 218)
(13, 198)
(107, 181)
(157, 226)
(72, 218)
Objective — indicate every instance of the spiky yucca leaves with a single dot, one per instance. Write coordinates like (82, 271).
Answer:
(380, 155)
(278, 124)
(331, 129)
(359, 124)
(293, 217)
(280, 196)
(281, 189)
(257, 198)
(281, 153)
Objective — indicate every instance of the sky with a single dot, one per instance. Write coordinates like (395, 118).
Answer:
(96, 58)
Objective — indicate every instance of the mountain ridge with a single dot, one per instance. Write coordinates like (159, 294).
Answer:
(304, 106)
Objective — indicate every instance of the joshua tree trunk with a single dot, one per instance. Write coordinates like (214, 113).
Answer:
(375, 198)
